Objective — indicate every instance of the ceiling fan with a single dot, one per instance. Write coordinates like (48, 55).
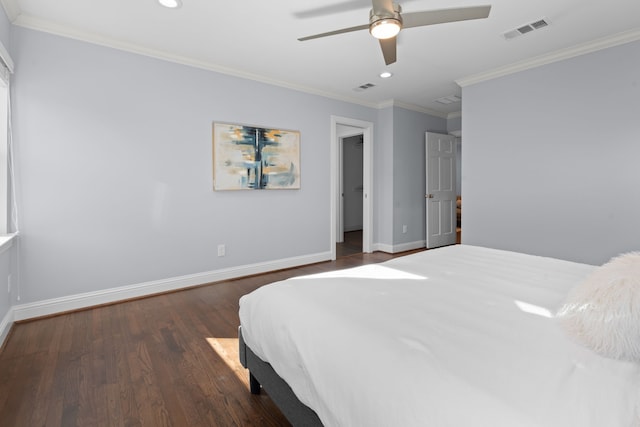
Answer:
(386, 21)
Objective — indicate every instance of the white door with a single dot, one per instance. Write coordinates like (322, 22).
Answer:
(441, 189)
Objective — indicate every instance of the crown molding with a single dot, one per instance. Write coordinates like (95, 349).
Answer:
(419, 109)
(393, 103)
(46, 26)
(559, 55)
(11, 8)
(385, 104)
(37, 24)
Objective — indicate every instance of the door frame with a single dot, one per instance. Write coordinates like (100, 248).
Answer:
(335, 202)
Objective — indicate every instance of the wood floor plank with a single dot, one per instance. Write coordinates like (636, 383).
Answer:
(40, 408)
(165, 360)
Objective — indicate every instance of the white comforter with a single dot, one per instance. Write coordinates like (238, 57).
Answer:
(458, 336)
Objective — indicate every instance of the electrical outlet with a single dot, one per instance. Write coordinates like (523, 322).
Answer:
(9, 284)
(222, 250)
(404, 228)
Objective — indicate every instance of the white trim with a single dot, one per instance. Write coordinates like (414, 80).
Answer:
(383, 247)
(6, 58)
(412, 107)
(393, 103)
(340, 183)
(11, 8)
(18, 18)
(38, 24)
(367, 181)
(582, 49)
(5, 326)
(340, 167)
(107, 296)
(6, 241)
(403, 247)
(4, 151)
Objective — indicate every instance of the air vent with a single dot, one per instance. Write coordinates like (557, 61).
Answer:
(364, 87)
(539, 24)
(451, 99)
(525, 29)
(512, 34)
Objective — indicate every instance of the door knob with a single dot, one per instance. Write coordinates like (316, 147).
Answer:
(428, 196)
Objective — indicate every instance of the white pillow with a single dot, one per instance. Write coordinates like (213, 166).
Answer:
(603, 312)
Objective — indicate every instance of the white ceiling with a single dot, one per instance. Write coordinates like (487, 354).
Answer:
(258, 39)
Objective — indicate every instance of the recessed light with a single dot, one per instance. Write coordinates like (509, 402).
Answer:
(171, 4)
(385, 74)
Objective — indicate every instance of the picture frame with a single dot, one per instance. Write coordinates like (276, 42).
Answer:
(247, 157)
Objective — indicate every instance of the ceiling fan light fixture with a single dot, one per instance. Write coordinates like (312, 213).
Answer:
(171, 4)
(385, 28)
(386, 21)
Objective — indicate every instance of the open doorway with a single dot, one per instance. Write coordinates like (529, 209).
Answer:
(341, 129)
(349, 241)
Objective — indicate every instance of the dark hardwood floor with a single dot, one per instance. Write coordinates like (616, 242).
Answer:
(351, 245)
(166, 360)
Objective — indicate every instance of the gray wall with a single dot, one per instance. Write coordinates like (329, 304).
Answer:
(454, 124)
(114, 160)
(383, 177)
(409, 172)
(550, 163)
(399, 176)
(6, 256)
(5, 29)
(114, 166)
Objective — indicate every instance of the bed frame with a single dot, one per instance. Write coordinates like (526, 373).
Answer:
(262, 375)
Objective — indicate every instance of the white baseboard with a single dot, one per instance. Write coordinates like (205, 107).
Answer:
(420, 244)
(382, 247)
(89, 299)
(5, 326)
(394, 249)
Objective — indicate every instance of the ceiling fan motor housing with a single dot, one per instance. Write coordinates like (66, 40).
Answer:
(381, 18)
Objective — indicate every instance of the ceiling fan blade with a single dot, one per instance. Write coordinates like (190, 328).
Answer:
(431, 17)
(388, 50)
(382, 7)
(333, 33)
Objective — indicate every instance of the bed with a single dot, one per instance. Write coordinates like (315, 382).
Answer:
(456, 336)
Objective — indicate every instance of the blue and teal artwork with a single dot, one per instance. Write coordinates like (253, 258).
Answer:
(255, 158)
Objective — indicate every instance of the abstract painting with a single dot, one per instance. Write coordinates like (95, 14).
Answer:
(255, 158)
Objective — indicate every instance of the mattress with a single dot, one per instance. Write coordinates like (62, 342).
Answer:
(456, 336)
